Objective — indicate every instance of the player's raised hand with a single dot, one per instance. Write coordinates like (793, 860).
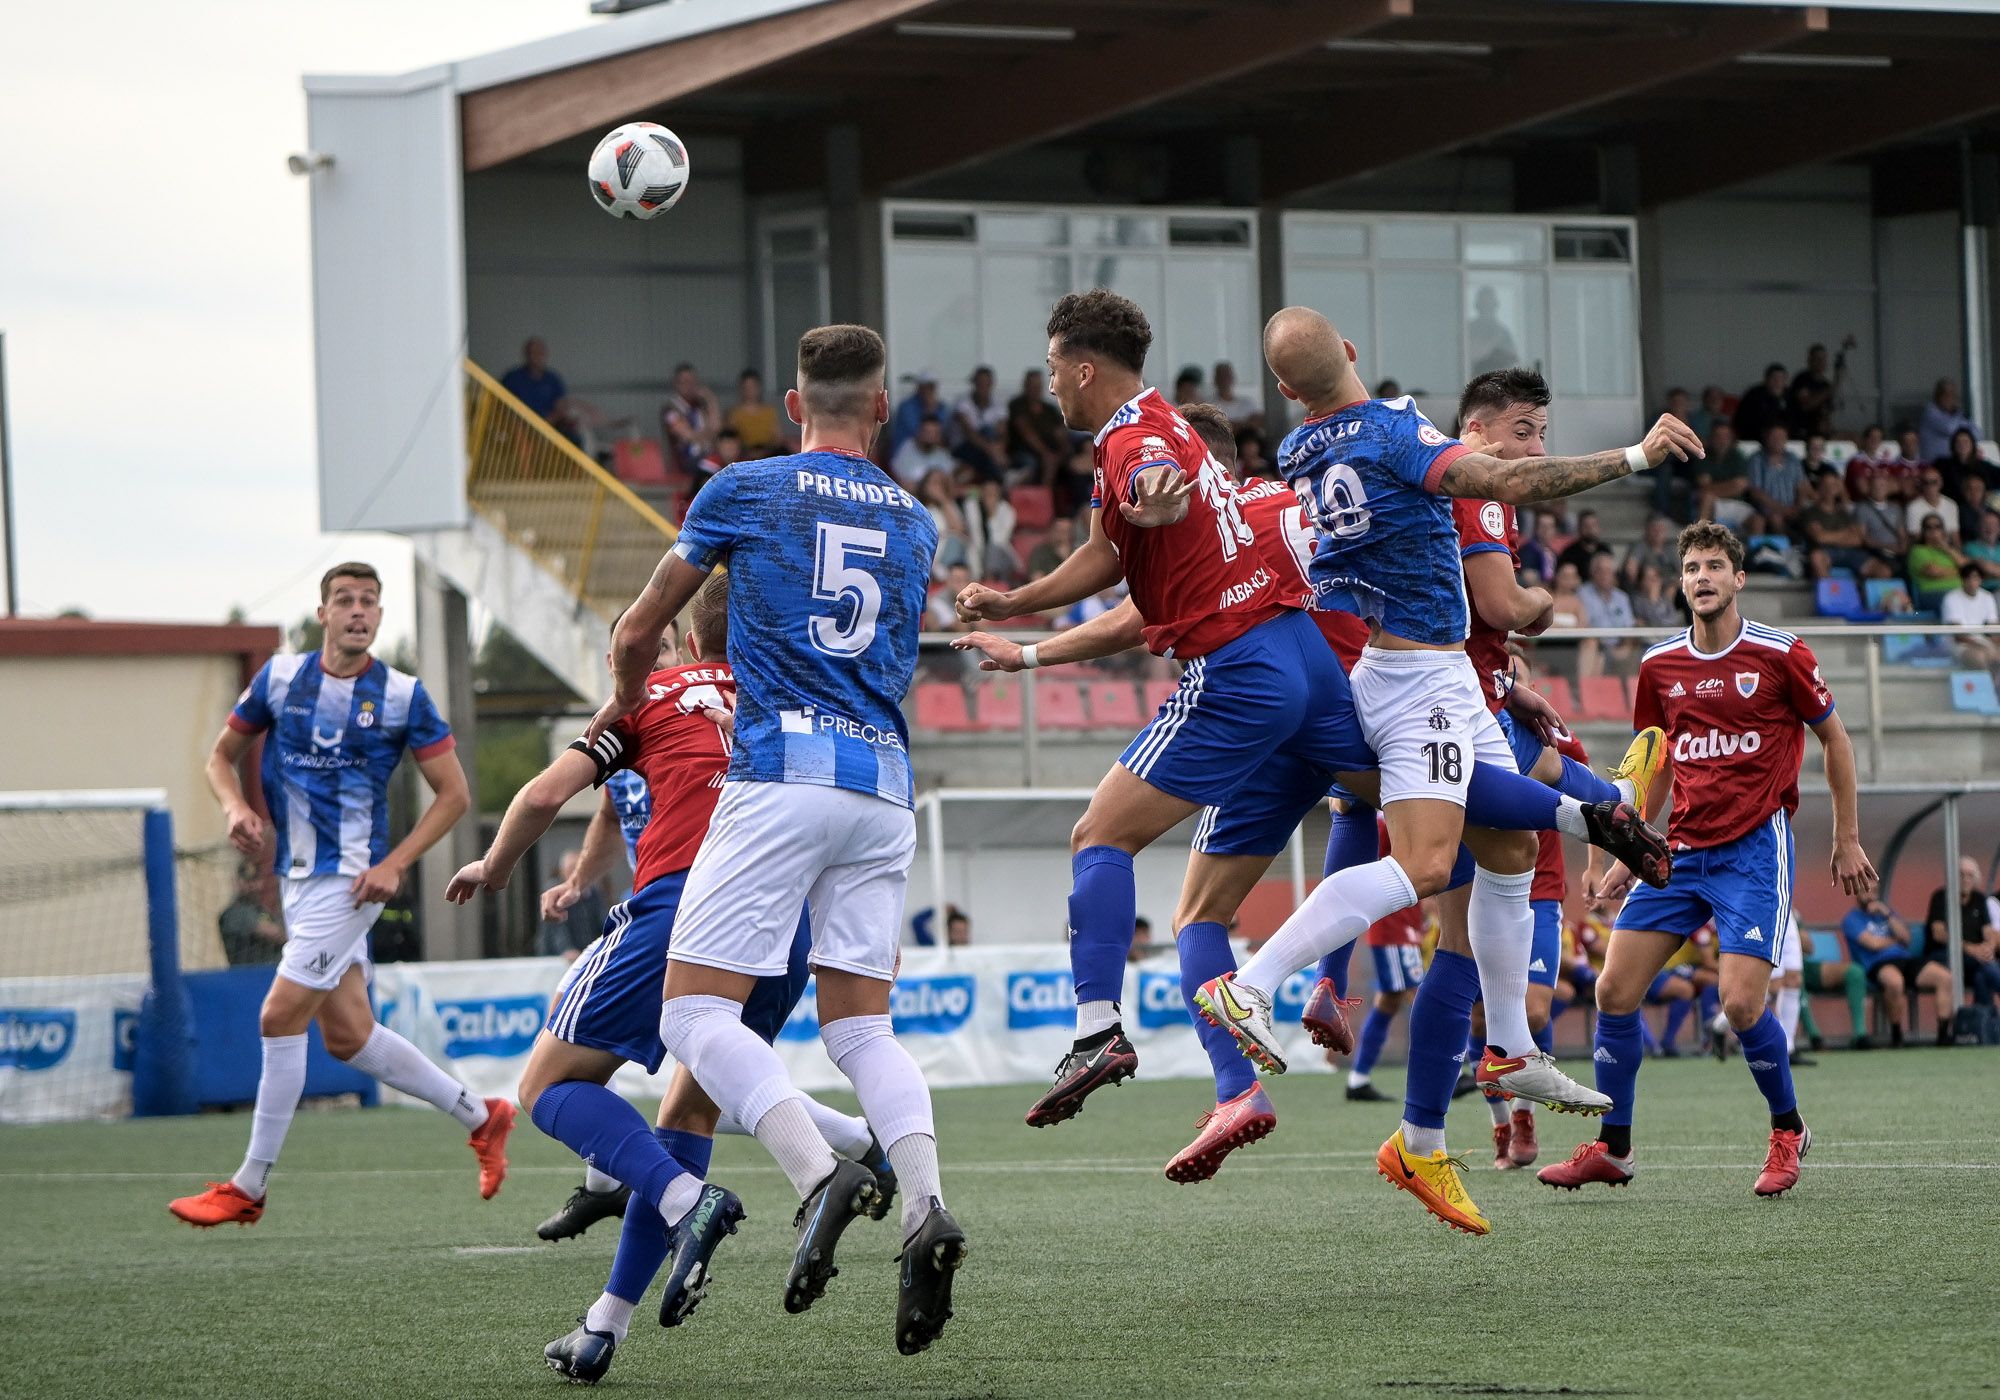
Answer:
(1159, 497)
(1532, 708)
(614, 709)
(1671, 438)
(246, 829)
(377, 884)
(556, 899)
(471, 879)
(978, 603)
(996, 653)
(722, 716)
(1852, 870)
(1611, 888)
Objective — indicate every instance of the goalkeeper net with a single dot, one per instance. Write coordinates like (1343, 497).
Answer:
(98, 914)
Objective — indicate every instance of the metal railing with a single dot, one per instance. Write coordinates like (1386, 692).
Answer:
(545, 494)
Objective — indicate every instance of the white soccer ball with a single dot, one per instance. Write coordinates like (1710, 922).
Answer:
(638, 171)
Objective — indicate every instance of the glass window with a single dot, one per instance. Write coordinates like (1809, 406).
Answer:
(1116, 230)
(1015, 293)
(1595, 334)
(1417, 351)
(1511, 242)
(1310, 238)
(1023, 230)
(1504, 314)
(933, 310)
(1209, 233)
(1411, 240)
(1345, 296)
(1211, 314)
(1139, 276)
(935, 225)
(1587, 243)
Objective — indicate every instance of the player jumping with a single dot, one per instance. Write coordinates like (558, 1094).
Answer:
(1734, 697)
(336, 723)
(829, 563)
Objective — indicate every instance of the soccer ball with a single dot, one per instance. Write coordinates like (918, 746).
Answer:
(638, 171)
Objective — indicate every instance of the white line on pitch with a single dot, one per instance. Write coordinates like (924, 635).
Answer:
(498, 1249)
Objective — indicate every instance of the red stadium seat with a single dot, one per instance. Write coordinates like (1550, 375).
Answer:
(1059, 705)
(998, 705)
(1556, 690)
(1025, 543)
(1603, 701)
(941, 706)
(1156, 693)
(638, 462)
(1034, 507)
(1115, 705)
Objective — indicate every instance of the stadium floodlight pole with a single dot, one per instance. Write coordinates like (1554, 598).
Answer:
(7, 490)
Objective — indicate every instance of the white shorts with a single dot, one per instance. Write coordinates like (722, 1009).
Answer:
(774, 846)
(324, 933)
(1424, 714)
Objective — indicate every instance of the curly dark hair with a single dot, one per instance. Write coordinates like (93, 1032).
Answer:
(1102, 323)
(1707, 534)
(1500, 389)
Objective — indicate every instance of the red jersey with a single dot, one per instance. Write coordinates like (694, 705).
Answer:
(1200, 582)
(1405, 927)
(1278, 519)
(1551, 874)
(1735, 724)
(682, 755)
(1486, 527)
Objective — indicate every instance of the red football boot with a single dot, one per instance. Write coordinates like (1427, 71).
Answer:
(1781, 1166)
(222, 1202)
(1524, 1148)
(1325, 1018)
(489, 1145)
(1590, 1162)
(1224, 1128)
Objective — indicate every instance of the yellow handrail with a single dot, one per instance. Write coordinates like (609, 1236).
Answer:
(575, 519)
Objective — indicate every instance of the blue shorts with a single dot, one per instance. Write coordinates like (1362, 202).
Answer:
(1545, 955)
(610, 997)
(1397, 969)
(1656, 991)
(1525, 743)
(1745, 887)
(1275, 692)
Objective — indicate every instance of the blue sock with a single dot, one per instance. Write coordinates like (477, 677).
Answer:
(1475, 1045)
(1677, 1015)
(1710, 1000)
(1546, 1036)
(644, 1240)
(1585, 786)
(1205, 953)
(691, 1150)
(1770, 1064)
(609, 1133)
(1556, 1009)
(1374, 1036)
(1440, 1020)
(1353, 840)
(1102, 904)
(1618, 1054)
(1506, 801)
(1461, 869)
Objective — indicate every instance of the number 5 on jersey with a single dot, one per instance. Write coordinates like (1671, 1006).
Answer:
(841, 582)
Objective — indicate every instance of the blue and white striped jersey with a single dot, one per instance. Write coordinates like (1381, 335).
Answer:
(634, 806)
(829, 563)
(333, 743)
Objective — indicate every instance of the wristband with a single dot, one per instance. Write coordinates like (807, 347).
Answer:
(1635, 458)
(1029, 661)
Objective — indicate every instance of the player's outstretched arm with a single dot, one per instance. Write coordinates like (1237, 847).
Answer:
(1544, 478)
(1107, 634)
(1850, 867)
(635, 643)
(1091, 568)
(246, 828)
(529, 816)
(1499, 597)
(602, 841)
(450, 797)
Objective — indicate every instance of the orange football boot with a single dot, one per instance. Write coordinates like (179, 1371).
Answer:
(489, 1144)
(221, 1203)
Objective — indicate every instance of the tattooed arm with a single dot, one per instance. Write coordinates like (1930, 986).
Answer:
(1544, 478)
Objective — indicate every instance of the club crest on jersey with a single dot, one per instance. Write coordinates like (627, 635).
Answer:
(1493, 519)
(1439, 719)
(1746, 683)
(366, 719)
(1429, 436)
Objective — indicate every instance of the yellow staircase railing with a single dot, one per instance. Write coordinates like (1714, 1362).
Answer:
(544, 493)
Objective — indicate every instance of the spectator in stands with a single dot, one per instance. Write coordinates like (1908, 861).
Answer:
(1815, 460)
(1539, 552)
(1985, 551)
(1970, 606)
(755, 421)
(1242, 409)
(978, 429)
(1253, 461)
(1588, 544)
(1713, 410)
(989, 525)
(1909, 455)
(1388, 389)
(1881, 518)
(1722, 481)
(1979, 944)
(1962, 467)
(1776, 482)
(1940, 419)
(1057, 546)
(581, 923)
(1974, 497)
(1931, 500)
(954, 546)
(940, 613)
(1833, 534)
(541, 390)
(250, 935)
(921, 403)
(1878, 942)
(957, 925)
(1605, 604)
(1656, 547)
(1142, 939)
(1681, 404)
(1565, 614)
(728, 448)
(1037, 442)
(1762, 405)
(1809, 400)
(1653, 602)
(1933, 565)
(923, 454)
(1187, 386)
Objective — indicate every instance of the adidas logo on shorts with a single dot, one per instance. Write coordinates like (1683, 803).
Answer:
(1756, 935)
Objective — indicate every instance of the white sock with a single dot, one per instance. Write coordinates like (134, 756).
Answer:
(278, 1090)
(1421, 1142)
(915, 1158)
(747, 1080)
(1788, 1015)
(1095, 1016)
(597, 1181)
(393, 1060)
(610, 1314)
(1338, 911)
(679, 1197)
(1627, 789)
(897, 1103)
(1569, 818)
(1501, 928)
(1355, 1079)
(1501, 1110)
(844, 1133)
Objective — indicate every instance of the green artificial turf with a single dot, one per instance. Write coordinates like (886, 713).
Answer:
(379, 1271)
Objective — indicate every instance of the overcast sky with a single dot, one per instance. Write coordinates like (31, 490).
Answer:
(154, 291)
